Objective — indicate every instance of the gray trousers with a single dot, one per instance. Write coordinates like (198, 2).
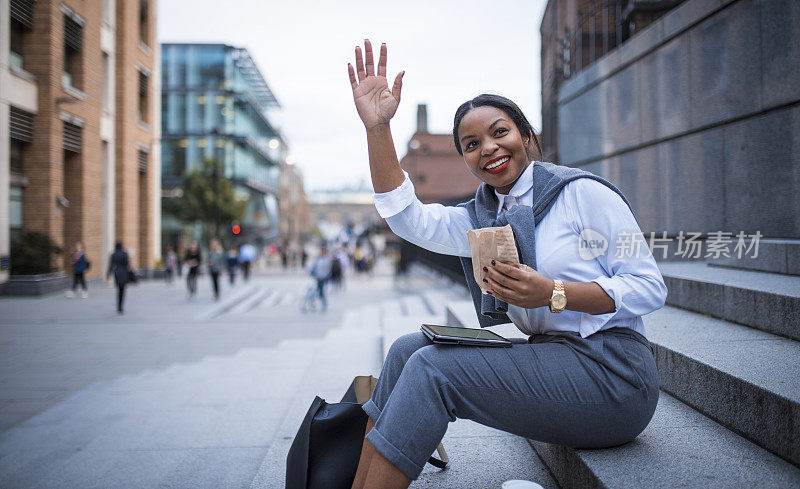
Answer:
(593, 392)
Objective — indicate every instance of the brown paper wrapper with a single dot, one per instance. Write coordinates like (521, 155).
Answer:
(487, 244)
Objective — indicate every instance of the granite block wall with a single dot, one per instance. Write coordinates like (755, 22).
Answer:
(697, 119)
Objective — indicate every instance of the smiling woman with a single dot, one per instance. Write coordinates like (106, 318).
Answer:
(586, 377)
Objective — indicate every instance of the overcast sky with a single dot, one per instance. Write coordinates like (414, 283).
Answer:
(451, 51)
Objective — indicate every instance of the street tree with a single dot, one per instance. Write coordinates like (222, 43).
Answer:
(207, 198)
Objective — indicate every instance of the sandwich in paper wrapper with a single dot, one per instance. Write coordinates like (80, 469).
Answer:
(487, 244)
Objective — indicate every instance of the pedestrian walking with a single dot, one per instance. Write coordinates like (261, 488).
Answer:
(303, 257)
(586, 377)
(321, 271)
(171, 263)
(79, 265)
(247, 255)
(216, 263)
(232, 262)
(192, 259)
(119, 265)
(337, 270)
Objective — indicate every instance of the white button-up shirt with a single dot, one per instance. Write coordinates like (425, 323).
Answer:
(588, 235)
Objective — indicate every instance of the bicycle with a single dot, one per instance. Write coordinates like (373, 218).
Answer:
(311, 301)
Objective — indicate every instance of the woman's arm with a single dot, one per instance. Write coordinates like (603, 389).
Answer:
(438, 228)
(525, 287)
(631, 286)
(376, 105)
(434, 227)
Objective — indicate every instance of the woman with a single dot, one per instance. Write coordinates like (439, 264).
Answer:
(192, 260)
(119, 265)
(232, 262)
(171, 263)
(216, 262)
(79, 266)
(586, 377)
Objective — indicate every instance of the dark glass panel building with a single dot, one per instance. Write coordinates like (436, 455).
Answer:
(215, 105)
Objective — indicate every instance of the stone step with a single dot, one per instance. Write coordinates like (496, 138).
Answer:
(340, 356)
(413, 305)
(745, 379)
(502, 456)
(437, 300)
(679, 448)
(706, 380)
(774, 255)
(397, 326)
(182, 426)
(461, 314)
(391, 308)
(766, 301)
(483, 457)
(352, 319)
(371, 317)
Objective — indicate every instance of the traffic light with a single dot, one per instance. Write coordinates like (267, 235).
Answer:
(236, 229)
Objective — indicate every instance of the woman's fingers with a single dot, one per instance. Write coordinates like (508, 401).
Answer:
(370, 61)
(500, 291)
(398, 85)
(496, 275)
(512, 271)
(353, 82)
(382, 61)
(360, 65)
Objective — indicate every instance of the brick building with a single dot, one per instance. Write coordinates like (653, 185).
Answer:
(295, 222)
(433, 164)
(79, 126)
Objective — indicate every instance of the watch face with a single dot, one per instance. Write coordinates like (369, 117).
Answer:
(559, 301)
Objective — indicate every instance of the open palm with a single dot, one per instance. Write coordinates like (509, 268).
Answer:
(375, 103)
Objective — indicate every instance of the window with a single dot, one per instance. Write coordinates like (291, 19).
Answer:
(73, 38)
(143, 98)
(20, 125)
(144, 26)
(15, 158)
(142, 159)
(21, 23)
(21, 133)
(15, 212)
(73, 137)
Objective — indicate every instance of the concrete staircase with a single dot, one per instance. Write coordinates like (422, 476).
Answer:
(480, 456)
(728, 356)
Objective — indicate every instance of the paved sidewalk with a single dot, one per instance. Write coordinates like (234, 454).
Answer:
(181, 393)
(52, 347)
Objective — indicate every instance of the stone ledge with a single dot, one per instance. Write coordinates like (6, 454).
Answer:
(766, 301)
(34, 285)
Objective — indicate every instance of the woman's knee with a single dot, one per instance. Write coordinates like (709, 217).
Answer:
(405, 346)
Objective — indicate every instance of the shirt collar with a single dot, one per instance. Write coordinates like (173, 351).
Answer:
(523, 186)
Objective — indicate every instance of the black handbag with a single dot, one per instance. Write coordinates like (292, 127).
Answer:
(327, 447)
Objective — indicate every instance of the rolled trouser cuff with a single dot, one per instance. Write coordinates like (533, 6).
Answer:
(372, 410)
(393, 454)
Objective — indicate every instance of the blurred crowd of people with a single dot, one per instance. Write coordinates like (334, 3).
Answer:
(328, 268)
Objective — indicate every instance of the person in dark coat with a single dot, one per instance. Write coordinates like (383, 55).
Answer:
(119, 265)
(192, 259)
(79, 266)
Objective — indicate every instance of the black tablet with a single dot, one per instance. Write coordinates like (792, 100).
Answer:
(448, 335)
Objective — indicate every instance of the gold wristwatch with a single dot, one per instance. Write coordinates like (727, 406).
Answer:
(558, 301)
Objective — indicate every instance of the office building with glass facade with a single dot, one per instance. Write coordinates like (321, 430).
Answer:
(215, 105)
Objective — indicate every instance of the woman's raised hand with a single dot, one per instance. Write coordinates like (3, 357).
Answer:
(375, 103)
